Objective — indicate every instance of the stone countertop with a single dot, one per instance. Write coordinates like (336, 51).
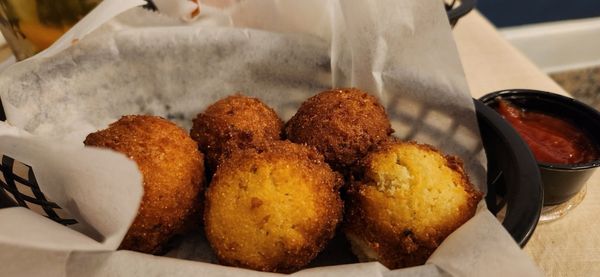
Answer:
(583, 84)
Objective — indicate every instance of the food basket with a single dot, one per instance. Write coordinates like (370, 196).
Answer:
(515, 191)
(160, 69)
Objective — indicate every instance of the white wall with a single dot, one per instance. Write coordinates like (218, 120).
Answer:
(558, 46)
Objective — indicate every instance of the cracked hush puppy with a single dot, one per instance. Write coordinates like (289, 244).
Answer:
(272, 209)
(232, 123)
(173, 176)
(409, 199)
(343, 124)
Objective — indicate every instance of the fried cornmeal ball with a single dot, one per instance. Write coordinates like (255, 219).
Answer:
(343, 124)
(409, 200)
(272, 210)
(232, 123)
(173, 176)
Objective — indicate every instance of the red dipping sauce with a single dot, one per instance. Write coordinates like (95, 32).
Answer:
(551, 139)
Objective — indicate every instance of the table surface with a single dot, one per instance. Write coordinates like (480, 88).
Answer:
(569, 246)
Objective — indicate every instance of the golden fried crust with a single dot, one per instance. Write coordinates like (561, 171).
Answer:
(235, 122)
(272, 209)
(173, 174)
(343, 124)
(410, 198)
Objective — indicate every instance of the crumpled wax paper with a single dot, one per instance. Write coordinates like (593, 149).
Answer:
(280, 51)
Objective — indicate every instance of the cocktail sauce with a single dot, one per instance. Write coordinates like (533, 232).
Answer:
(551, 139)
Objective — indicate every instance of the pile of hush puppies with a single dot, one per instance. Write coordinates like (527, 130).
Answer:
(272, 195)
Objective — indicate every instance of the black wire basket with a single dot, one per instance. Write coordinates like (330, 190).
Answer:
(454, 8)
(458, 8)
(514, 184)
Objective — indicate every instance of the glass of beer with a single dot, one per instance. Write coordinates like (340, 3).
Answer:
(30, 26)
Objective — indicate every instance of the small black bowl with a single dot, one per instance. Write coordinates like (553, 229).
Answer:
(561, 181)
(514, 192)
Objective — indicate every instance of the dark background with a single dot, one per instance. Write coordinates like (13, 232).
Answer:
(505, 13)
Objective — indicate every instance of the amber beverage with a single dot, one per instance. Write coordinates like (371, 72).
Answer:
(30, 26)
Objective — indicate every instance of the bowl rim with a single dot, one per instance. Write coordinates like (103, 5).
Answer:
(524, 93)
(524, 209)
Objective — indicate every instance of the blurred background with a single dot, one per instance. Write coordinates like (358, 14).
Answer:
(31, 26)
(561, 37)
(509, 13)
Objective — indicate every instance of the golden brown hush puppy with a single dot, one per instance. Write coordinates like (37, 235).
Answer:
(343, 124)
(232, 123)
(173, 176)
(272, 209)
(409, 200)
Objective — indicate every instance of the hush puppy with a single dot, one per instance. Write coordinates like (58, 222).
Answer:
(173, 176)
(272, 209)
(232, 123)
(343, 124)
(410, 198)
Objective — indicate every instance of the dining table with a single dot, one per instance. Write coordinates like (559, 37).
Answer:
(570, 245)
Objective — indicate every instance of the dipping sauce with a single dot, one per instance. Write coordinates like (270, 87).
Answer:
(551, 139)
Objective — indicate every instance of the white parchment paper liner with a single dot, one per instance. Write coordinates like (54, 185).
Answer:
(281, 51)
